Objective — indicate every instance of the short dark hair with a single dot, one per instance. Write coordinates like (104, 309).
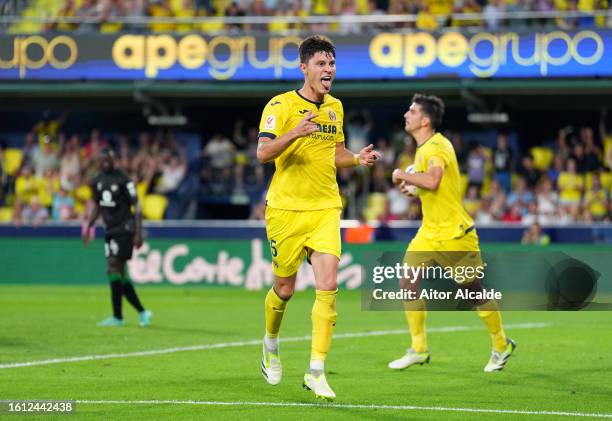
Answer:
(432, 106)
(315, 44)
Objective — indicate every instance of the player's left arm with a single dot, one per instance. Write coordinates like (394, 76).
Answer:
(345, 158)
(429, 180)
(130, 186)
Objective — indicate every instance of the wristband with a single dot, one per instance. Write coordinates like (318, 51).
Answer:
(356, 160)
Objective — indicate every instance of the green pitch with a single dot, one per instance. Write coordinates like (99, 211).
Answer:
(562, 363)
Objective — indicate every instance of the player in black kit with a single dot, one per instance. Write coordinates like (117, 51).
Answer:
(114, 194)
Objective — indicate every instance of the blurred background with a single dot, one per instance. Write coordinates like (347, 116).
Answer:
(176, 88)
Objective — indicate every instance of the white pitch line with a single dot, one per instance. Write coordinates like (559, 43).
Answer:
(350, 406)
(255, 342)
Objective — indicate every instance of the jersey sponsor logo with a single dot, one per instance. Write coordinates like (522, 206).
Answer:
(303, 111)
(272, 104)
(332, 115)
(107, 199)
(327, 128)
(270, 122)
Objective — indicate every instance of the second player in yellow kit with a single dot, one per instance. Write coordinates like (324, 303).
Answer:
(301, 131)
(447, 236)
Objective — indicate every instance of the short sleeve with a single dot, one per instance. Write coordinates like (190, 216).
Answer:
(130, 187)
(273, 118)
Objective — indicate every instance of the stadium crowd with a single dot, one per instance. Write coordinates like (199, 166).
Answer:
(428, 15)
(568, 182)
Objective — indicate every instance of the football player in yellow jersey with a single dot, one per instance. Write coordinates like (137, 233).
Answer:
(301, 131)
(447, 236)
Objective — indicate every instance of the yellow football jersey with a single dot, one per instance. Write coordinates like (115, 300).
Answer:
(305, 176)
(444, 217)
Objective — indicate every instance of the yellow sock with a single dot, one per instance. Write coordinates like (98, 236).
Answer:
(323, 321)
(490, 315)
(275, 310)
(415, 316)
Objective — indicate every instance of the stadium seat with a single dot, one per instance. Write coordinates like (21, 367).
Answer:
(542, 157)
(154, 206)
(12, 160)
(6, 214)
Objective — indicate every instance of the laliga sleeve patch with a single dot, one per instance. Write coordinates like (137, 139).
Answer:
(270, 122)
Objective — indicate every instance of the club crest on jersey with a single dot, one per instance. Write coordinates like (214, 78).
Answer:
(270, 122)
(332, 115)
(114, 187)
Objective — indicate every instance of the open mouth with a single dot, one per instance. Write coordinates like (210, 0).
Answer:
(326, 81)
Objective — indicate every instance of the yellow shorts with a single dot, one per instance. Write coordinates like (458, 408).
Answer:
(290, 233)
(463, 251)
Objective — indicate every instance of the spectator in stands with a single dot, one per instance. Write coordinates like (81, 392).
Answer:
(596, 202)
(33, 215)
(346, 24)
(548, 201)
(485, 215)
(534, 235)
(513, 215)
(160, 9)
(531, 174)
(521, 196)
(606, 138)
(570, 185)
(45, 158)
(406, 157)
(493, 14)
(530, 216)
(476, 164)
(497, 199)
(358, 127)
(563, 148)
(30, 146)
(47, 128)
(234, 10)
(70, 163)
(426, 20)
(95, 144)
(398, 204)
(220, 151)
(133, 9)
(187, 10)
(592, 152)
(468, 6)
(579, 158)
(68, 10)
(502, 162)
(379, 183)
(173, 172)
(387, 153)
(557, 168)
(62, 208)
(89, 10)
(472, 202)
(26, 187)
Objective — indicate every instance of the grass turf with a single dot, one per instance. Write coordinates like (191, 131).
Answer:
(561, 367)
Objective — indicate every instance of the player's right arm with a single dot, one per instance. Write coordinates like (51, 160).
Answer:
(269, 148)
